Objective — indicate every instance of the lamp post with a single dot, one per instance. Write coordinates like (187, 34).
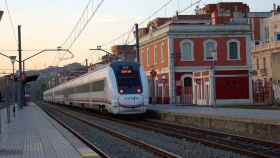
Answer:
(58, 49)
(13, 60)
(214, 58)
(99, 48)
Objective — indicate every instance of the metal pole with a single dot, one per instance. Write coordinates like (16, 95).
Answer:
(87, 63)
(214, 82)
(8, 91)
(137, 43)
(21, 97)
(23, 67)
(23, 84)
(14, 92)
(0, 122)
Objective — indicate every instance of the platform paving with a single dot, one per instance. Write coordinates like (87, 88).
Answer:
(32, 135)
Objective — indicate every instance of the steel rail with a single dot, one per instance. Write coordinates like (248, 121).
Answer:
(240, 144)
(207, 137)
(79, 136)
(148, 147)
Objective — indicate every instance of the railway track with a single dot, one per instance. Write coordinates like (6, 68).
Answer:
(100, 152)
(148, 147)
(242, 145)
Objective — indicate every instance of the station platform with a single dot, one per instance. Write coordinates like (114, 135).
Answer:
(33, 134)
(258, 124)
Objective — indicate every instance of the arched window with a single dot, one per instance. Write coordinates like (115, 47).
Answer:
(210, 50)
(233, 47)
(187, 50)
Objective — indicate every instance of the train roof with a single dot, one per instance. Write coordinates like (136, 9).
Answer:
(113, 65)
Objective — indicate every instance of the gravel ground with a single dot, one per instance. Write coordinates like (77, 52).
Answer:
(181, 147)
(114, 147)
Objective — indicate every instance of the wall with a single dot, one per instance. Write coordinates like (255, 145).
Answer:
(221, 50)
(160, 65)
(275, 60)
(262, 73)
(274, 26)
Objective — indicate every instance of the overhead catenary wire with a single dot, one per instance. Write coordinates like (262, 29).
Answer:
(116, 38)
(87, 15)
(155, 12)
(76, 31)
(190, 6)
(11, 20)
(140, 23)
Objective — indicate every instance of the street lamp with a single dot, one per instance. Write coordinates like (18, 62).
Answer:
(99, 48)
(58, 49)
(13, 60)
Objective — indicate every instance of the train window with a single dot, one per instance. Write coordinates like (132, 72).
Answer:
(128, 80)
(98, 86)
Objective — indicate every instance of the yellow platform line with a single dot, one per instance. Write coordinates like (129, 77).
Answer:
(89, 155)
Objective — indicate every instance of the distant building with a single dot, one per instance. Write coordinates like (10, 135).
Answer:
(119, 53)
(266, 58)
(124, 52)
(202, 59)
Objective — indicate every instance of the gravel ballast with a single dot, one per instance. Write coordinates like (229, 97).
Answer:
(180, 147)
(114, 147)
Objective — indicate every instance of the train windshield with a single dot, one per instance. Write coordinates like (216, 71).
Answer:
(128, 79)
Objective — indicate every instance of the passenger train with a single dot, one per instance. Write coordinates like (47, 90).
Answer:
(119, 88)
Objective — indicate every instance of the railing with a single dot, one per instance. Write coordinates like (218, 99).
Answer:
(267, 46)
(276, 91)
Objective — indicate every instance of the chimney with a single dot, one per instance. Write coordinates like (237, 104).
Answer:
(177, 13)
(274, 7)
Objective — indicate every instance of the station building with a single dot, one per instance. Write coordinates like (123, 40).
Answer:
(201, 59)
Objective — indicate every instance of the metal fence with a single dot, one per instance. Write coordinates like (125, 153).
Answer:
(262, 92)
(276, 92)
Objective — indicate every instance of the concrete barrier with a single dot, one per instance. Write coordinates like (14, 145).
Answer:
(265, 130)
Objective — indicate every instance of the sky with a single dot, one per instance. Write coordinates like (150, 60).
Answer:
(47, 23)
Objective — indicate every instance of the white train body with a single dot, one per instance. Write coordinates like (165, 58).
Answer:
(120, 88)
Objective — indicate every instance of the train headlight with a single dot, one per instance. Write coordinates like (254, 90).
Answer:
(121, 91)
(139, 90)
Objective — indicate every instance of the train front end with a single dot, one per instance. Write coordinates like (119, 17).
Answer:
(132, 88)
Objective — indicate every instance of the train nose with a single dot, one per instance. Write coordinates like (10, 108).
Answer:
(131, 100)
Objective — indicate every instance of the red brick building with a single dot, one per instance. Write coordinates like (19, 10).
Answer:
(200, 59)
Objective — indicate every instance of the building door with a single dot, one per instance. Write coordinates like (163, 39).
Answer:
(160, 94)
(187, 91)
(207, 92)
